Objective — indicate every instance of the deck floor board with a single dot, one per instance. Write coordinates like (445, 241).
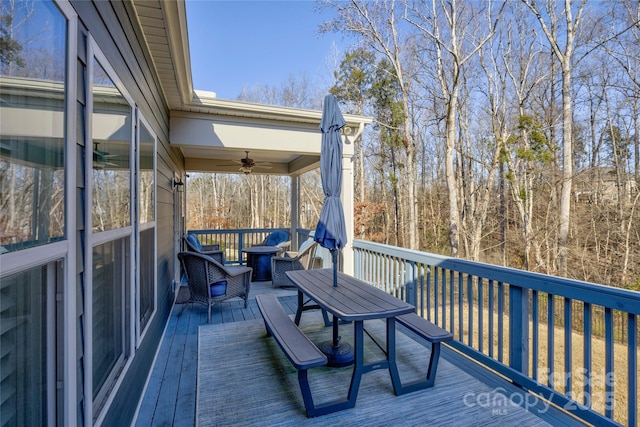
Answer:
(250, 382)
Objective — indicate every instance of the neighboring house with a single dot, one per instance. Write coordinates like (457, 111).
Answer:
(98, 126)
(601, 185)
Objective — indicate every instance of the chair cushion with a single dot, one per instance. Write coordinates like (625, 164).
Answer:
(218, 289)
(305, 245)
(277, 237)
(194, 241)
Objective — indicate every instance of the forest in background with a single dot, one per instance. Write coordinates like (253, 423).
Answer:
(504, 132)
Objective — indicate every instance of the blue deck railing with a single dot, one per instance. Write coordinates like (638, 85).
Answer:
(233, 241)
(572, 343)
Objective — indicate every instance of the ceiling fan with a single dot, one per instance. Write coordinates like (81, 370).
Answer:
(247, 164)
(101, 158)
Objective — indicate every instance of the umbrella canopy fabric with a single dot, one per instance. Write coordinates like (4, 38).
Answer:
(330, 231)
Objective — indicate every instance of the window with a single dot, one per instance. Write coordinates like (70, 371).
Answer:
(109, 332)
(33, 178)
(27, 383)
(147, 223)
(112, 233)
(111, 165)
(146, 178)
(32, 145)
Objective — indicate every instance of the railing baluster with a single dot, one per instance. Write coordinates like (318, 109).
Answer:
(460, 310)
(491, 316)
(399, 276)
(435, 294)
(452, 303)
(470, 308)
(500, 321)
(443, 290)
(480, 316)
(587, 343)
(568, 333)
(373, 269)
(608, 354)
(429, 292)
(385, 272)
(550, 339)
(422, 288)
(430, 272)
(632, 369)
(535, 324)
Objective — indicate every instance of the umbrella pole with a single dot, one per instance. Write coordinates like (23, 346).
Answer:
(338, 354)
(336, 338)
(334, 259)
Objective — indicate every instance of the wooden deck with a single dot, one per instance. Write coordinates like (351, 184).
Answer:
(171, 396)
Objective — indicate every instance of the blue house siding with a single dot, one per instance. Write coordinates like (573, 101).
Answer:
(114, 28)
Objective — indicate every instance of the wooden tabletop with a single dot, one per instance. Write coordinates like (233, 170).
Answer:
(352, 299)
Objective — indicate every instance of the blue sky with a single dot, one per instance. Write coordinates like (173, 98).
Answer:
(234, 44)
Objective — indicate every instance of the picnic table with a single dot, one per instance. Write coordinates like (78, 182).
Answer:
(353, 300)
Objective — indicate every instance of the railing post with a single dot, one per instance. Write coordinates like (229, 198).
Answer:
(519, 329)
(410, 283)
(240, 246)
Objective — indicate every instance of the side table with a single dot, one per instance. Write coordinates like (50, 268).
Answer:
(259, 258)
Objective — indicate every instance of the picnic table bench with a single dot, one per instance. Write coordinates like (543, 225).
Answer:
(432, 333)
(299, 349)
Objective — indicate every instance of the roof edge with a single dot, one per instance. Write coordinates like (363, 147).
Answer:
(175, 15)
(211, 105)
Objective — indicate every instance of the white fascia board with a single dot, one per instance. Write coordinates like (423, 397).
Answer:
(204, 102)
(205, 130)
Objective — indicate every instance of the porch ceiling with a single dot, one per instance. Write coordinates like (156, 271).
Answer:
(213, 134)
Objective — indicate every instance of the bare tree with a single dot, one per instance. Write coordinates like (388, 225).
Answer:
(456, 39)
(379, 27)
(521, 59)
(626, 52)
(563, 48)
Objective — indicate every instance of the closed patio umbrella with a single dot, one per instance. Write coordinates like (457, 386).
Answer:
(331, 231)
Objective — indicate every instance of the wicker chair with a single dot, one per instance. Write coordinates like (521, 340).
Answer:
(192, 244)
(289, 261)
(211, 282)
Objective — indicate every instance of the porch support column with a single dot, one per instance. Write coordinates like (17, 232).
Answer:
(346, 196)
(295, 211)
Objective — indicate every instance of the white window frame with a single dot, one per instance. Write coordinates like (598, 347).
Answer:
(95, 239)
(140, 333)
(61, 404)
